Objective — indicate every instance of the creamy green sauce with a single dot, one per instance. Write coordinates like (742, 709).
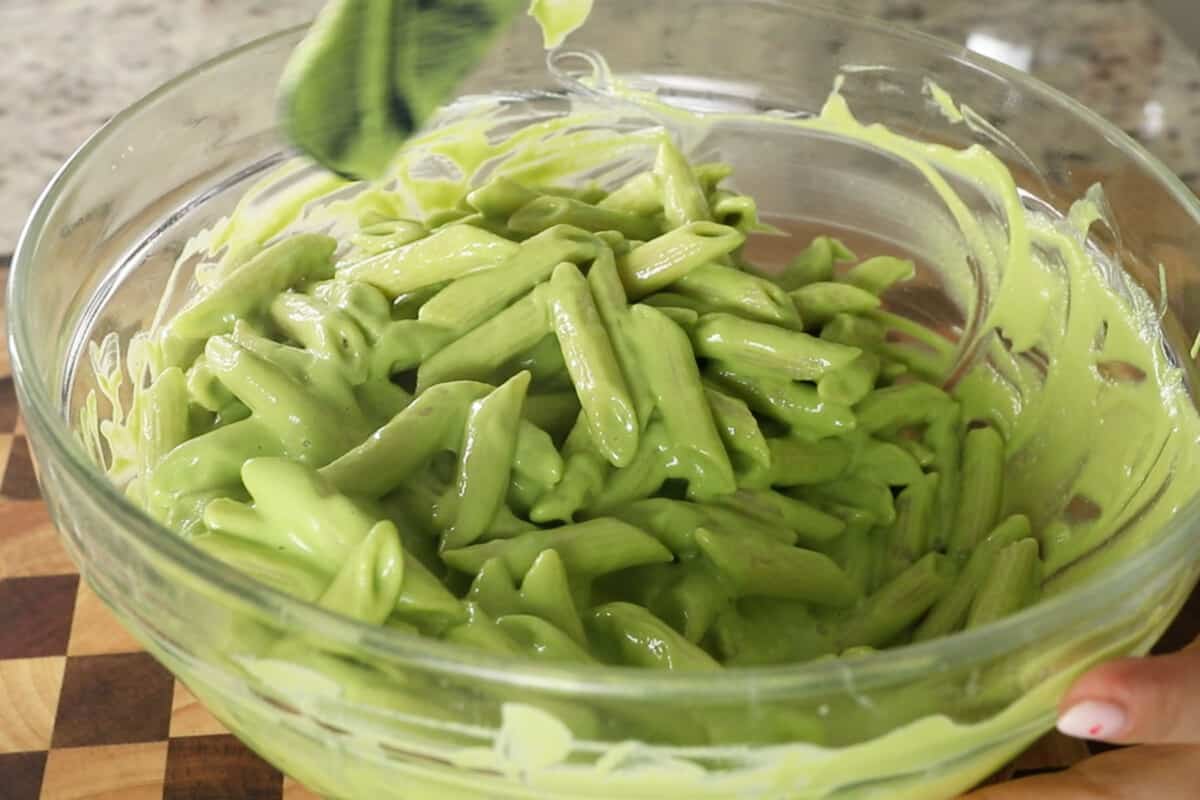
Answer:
(559, 18)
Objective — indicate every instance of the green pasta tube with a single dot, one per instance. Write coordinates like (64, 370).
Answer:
(877, 275)
(871, 496)
(544, 360)
(404, 344)
(920, 452)
(553, 412)
(484, 461)
(500, 197)
(757, 346)
(670, 368)
(380, 235)
(393, 453)
(425, 602)
(542, 640)
(665, 259)
(162, 419)
(638, 585)
(683, 197)
(886, 463)
(673, 300)
(413, 506)
(595, 547)
(950, 612)
(480, 631)
(692, 601)
(266, 566)
(727, 516)
(683, 317)
(295, 363)
(713, 287)
(368, 583)
(214, 460)
(324, 331)
(909, 537)
(446, 254)
(640, 194)
(796, 405)
(709, 174)
(924, 352)
(524, 493)
(672, 522)
(298, 512)
(365, 304)
(430, 424)
(380, 400)
(797, 462)
(408, 304)
(584, 472)
(493, 590)
(546, 593)
(592, 364)
(1012, 584)
(899, 603)
(982, 490)
(763, 630)
(815, 263)
(764, 568)
(812, 525)
(853, 330)
(737, 211)
(643, 476)
(851, 384)
(478, 354)
(632, 635)
(310, 429)
(609, 296)
(491, 225)
(184, 513)
(942, 436)
(470, 301)
(821, 301)
(543, 212)
(738, 428)
(506, 524)
(204, 389)
(902, 406)
(535, 457)
(246, 292)
(858, 554)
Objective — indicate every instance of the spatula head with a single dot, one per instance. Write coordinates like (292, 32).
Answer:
(371, 72)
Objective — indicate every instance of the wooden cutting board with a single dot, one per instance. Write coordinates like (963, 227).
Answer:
(86, 715)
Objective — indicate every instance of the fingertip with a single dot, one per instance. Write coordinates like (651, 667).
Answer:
(1093, 719)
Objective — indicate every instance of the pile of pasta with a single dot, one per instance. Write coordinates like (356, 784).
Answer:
(578, 426)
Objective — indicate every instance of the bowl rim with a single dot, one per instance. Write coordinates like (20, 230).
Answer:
(47, 423)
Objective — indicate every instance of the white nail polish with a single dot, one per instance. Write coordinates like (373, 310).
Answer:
(1093, 720)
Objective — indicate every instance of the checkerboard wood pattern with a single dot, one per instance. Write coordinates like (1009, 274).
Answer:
(86, 715)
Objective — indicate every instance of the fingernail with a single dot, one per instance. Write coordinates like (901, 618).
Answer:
(1093, 720)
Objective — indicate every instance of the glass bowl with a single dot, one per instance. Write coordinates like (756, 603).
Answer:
(360, 712)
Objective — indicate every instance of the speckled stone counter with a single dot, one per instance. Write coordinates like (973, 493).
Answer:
(71, 64)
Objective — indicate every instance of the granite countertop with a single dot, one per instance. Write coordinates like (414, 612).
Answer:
(73, 63)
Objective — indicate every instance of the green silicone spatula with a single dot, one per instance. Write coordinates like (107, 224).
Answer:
(371, 72)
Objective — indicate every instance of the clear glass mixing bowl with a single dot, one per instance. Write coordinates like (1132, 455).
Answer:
(358, 712)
